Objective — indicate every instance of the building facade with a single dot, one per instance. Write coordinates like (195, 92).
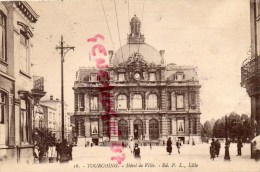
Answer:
(52, 117)
(250, 70)
(16, 25)
(153, 100)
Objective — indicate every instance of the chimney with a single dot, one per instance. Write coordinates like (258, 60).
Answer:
(162, 56)
(51, 97)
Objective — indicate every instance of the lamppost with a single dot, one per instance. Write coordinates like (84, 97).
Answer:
(63, 50)
(226, 157)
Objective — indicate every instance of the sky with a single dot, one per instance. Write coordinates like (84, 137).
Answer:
(213, 35)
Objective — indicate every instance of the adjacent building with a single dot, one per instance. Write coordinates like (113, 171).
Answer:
(16, 100)
(153, 100)
(250, 70)
(52, 117)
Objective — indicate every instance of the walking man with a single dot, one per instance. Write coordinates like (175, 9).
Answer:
(239, 146)
(178, 145)
(217, 146)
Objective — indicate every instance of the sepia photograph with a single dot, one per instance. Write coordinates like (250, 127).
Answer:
(127, 85)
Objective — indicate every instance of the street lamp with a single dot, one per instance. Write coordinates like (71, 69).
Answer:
(226, 157)
(64, 50)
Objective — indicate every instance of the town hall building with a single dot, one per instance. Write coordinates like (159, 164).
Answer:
(153, 100)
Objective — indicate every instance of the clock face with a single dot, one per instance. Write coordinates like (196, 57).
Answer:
(137, 76)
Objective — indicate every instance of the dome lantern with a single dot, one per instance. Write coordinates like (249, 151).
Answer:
(135, 37)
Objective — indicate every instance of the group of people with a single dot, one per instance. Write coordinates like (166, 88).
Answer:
(169, 146)
(214, 148)
(134, 148)
(64, 151)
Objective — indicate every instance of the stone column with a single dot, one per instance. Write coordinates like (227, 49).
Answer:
(173, 100)
(87, 128)
(164, 127)
(197, 101)
(86, 102)
(163, 99)
(100, 127)
(131, 134)
(186, 101)
(113, 129)
(147, 137)
(174, 126)
(76, 101)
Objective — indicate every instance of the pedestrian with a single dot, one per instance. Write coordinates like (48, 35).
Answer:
(239, 146)
(65, 153)
(70, 150)
(36, 154)
(58, 145)
(131, 145)
(212, 150)
(169, 146)
(137, 151)
(178, 145)
(150, 145)
(217, 146)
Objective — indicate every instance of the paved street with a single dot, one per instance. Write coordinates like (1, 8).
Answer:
(86, 158)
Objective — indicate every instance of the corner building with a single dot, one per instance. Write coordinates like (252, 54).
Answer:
(153, 100)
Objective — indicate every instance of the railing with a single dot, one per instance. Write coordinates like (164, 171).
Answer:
(249, 70)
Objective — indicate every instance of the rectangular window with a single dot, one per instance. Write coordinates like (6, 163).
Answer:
(81, 102)
(180, 101)
(50, 116)
(2, 107)
(24, 53)
(24, 121)
(94, 103)
(180, 125)
(93, 77)
(121, 77)
(2, 37)
(152, 76)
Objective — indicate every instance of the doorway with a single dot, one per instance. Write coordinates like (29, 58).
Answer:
(138, 129)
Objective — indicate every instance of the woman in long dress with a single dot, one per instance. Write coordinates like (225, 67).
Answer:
(131, 145)
(169, 146)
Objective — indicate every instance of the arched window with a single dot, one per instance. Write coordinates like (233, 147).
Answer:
(123, 130)
(121, 102)
(152, 101)
(137, 101)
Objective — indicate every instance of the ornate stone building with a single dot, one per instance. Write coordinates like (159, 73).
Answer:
(17, 20)
(153, 100)
(250, 69)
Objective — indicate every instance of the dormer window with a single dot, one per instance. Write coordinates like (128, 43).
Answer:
(180, 76)
(121, 76)
(93, 77)
(152, 76)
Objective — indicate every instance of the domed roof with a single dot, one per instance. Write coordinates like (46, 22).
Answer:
(135, 19)
(149, 53)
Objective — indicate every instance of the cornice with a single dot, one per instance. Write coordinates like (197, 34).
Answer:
(27, 10)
